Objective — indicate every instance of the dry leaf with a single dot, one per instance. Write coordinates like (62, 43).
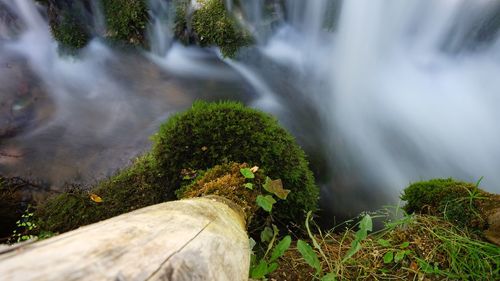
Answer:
(413, 266)
(96, 198)
(204, 148)
(254, 169)
(276, 187)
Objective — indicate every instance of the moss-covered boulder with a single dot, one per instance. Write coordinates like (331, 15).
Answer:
(461, 203)
(209, 134)
(210, 24)
(72, 25)
(69, 22)
(189, 143)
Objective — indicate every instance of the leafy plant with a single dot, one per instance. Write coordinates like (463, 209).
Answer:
(395, 255)
(268, 264)
(27, 228)
(309, 255)
(266, 202)
(365, 225)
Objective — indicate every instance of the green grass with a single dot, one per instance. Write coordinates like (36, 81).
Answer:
(414, 247)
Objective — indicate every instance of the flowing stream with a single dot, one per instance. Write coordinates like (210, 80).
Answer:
(380, 93)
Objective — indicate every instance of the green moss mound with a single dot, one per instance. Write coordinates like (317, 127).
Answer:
(214, 133)
(210, 25)
(126, 20)
(188, 143)
(130, 189)
(458, 202)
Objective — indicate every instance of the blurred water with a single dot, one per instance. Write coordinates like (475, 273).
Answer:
(380, 93)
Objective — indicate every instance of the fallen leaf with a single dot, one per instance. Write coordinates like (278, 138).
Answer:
(96, 198)
(276, 187)
(254, 169)
(413, 266)
(204, 148)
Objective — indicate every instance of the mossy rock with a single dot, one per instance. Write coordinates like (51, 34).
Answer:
(126, 20)
(210, 25)
(70, 33)
(209, 134)
(130, 189)
(462, 203)
(206, 135)
(68, 24)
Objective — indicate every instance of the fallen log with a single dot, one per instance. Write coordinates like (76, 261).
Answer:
(192, 239)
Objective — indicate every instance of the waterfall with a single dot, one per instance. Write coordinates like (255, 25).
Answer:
(380, 93)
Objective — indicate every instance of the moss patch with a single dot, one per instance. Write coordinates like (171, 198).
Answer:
(210, 25)
(227, 181)
(126, 20)
(214, 133)
(459, 202)
(70, 32)
(130, 189)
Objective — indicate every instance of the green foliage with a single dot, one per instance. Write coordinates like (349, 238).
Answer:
(413, 247)
(265, 266)
(213, 133)
(247, 173)
(126, 20)
(266, 202)
(215, 27)
(70, 32)
(365, 225)
(456, 201)
(309, 255)
(27, 229)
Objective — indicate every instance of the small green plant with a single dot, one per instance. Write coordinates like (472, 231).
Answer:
(396, 255)
(27, 228)
(365, 225)
(24, 227)
(268, 264)
(274, 187)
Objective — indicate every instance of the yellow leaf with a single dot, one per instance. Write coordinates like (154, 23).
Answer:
(95, 198)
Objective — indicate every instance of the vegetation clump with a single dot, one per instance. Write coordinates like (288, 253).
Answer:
(210, 25)
(459, 202)
(414, 247)
(225, 181)
(215, 133)
(68, 23)
(126, 20)
(130, 189)
(206, 135)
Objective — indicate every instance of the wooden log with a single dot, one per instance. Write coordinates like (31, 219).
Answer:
(193, 239)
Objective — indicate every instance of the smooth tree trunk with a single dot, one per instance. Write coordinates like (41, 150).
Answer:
(192, 239)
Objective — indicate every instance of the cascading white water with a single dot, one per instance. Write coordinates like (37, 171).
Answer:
(381, 93)
(407, 90)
